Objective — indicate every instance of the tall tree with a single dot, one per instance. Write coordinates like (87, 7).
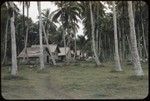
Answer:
(45, 36)
(93, 38)
(117, 59)
(40, 35)
(14, 69)
(49, 24)
(134, 51)
(27, 29)
(68, 13)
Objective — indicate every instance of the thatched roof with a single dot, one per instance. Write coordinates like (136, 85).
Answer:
(34, 50)
(31, 52)
(52, 47)
(62, 51)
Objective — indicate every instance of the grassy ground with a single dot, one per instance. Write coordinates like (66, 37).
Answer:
(76, 81)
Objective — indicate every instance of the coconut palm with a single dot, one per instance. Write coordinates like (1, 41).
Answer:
(117, 59)
(48, 26)
(68, 12)
(40, 35)
(134, 51)
(27, 4)
(93, 38)
(14, 70)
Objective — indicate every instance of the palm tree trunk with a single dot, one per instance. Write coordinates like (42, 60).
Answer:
(40, 32)
(144, 42)
(45, 36)
(23, 25)
(65, 43)
(26, 40)
(117, 59)
(6, 32)
(134, 51)
(93, 39)
(75, 46)
(14, 69)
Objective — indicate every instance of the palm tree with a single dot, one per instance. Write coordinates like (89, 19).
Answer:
(14, 70)
(117, 59)
(40, 35)
(45, 36)
(93, 38)
(68, 13)
(48, 24)
(134, 51)
(61, 13)
(26, 39)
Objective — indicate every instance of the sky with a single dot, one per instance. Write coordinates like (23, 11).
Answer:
(33, 12)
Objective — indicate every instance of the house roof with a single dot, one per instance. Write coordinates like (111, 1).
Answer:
(52, 47)
(34, 50)
(31, 52)
(62, 51)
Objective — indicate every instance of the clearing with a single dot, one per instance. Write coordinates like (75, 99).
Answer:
(76, 81)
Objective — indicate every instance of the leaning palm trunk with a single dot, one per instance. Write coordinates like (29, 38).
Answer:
(40, 32)
(26, 40)
(45, 36)
(14, 69)
(117, 59)
(64, 36)
(134, 51)
(75, 47)
(5, 50)
(64, 39)
(93, 39)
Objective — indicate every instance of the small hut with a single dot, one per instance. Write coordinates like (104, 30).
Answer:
(64, 52)
(33, 53)
(53, 48)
